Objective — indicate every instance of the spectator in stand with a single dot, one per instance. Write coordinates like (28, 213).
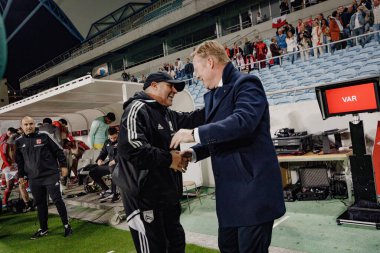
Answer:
(376, 23)
(259, 19)
(369, 20)
(345, 18)
(261, 52)
(281, 40)
(189, 70)
(237, 49)
(134, 79)
(312, 2)
(240, 64)
(143, 78)
(180, 67)
(125, 76)
(298, 27)
(228, 51)
(47, 126)
(247, 50)
(296, 4)
(284, 7)
(336, 29)
(357, 23)
(250, 62)
(98, 130)
(326, 35)
(304, 43)
(275, 50)
(317, 39)
(172, 71)
(367, 4)
(291, 43)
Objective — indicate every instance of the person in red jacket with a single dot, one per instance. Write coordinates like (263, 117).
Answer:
(3, 153)
(261, 52)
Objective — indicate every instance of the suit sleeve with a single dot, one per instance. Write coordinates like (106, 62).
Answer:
(249, 106)
(189, 120)
(133, 142)
(57, 151)
(201, 152)
(19, 158)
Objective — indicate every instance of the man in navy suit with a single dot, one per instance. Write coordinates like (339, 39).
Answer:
(236, 135)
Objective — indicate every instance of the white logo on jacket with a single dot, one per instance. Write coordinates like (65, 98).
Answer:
(159, 127)
(148, 216)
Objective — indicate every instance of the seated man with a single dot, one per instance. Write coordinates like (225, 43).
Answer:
(75, 149)
(109, 149)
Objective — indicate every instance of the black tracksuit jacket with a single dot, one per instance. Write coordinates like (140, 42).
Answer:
(38, 156)
(146, 130)
(109, 149)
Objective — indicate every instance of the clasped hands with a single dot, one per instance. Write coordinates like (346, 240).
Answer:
(181, 159)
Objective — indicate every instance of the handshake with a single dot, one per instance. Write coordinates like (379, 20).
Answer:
(180, 160)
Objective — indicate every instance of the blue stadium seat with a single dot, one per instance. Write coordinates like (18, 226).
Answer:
(326, 78)
(371, 44)
(369, 70)
(355, 65)
(351, 54)
(375, 61)
(327, 64)
(361, 57)
(308, 81)
(300, 75)
(275, 68)
(334, 69)
(318, 61)
(334, 57)
(343, 61)
(305, 97)
(290, 84)
(354, 48)
(375, 54)
(347, 74)
(317, 72)
(326, 55)
(310, 68)
(368, 50)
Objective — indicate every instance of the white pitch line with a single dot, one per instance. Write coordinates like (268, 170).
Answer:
(280, 221)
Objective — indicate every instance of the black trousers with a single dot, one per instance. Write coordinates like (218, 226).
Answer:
(163, 231)
(252, 239)
(39, 192)
(97, 173)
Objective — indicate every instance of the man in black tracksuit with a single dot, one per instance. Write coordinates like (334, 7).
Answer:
(152, 182)
(37, 158)
(109, 149)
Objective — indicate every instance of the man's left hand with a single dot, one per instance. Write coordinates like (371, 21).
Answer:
(182, 136)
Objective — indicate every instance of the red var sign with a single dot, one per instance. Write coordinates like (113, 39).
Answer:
(353, 98)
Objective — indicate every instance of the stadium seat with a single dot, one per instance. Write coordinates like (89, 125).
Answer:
(334, 69)
(327, 64)
(300, 76)
(326, 55)
(334, 57)
(368, 50)
(375, 54)
(290, 84)
(375, 61)
(347, 74)
(305, 97)
(371, 44)
(360, 57)
(343, 61)
(330, 77)
(355, 65)
(354, 48)
(308, 81)
(369, 70)
(350, 54)
(317, 72)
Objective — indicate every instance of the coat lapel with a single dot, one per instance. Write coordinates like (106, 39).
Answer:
(217, 99)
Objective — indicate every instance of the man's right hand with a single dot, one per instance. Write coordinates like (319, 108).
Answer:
(21, 181)
(100, 162)
(179, 161)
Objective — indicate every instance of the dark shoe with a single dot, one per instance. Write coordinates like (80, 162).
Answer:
(68, 231)
(115, 197)
(38, 234)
